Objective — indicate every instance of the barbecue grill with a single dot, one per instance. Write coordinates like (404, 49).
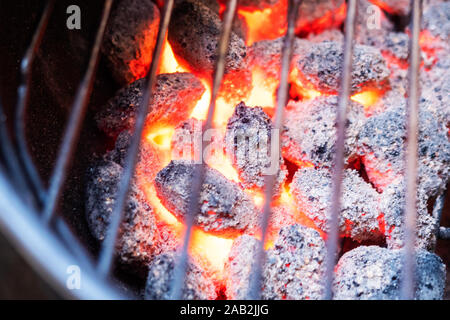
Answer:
(36, 215)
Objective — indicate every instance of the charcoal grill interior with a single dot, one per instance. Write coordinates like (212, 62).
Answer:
(57, 71)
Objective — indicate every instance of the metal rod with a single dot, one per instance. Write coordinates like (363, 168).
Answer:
(198, 175)
(72, 132)
(23, 93)
(107, 250)
(408, 281)
(270, 180)
(73, 244)
(44, 251)
(338, 169)
(12, 164)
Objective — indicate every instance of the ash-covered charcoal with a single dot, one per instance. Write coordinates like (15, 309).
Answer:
(174, 98)
(393, 45)
(224, 207)
(381, 146)
(309, 133)
(370, 21)
(360, 213)
(392, 205)
(249, 144)
(135, 245)
(295, 267)
(435, 96)
(194, 33)
(328, 35)
(239, 266)
(197, 285)
(266, 55)
(118, 154)
(130, 39)
(321, 68)
(375, 273)
(436, 20)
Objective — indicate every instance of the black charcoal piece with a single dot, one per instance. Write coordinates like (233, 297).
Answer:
(197, 285)
(224, 207)
(130, 39)
(174, 97)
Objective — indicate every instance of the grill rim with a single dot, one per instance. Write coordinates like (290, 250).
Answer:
(62, 230)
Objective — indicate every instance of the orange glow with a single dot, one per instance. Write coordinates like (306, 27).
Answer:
(211, 249)
(263, 90)
(301, 88)
(331, 19)
(266, 24)
(169, 63)
(367, 98)
(161, 138)
(430, 45)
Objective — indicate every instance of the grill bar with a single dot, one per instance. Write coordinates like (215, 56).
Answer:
(282, 99)
(407, 288)
(72, 132)
(12, 164)
(27, 178)
(338, 169)
(197, 183)
(107, 251)
(23, 93)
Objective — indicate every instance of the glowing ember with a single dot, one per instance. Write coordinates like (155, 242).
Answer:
(367, 97)
(213, 249)
(269, 23)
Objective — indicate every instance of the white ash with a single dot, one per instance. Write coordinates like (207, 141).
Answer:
(435, 96)
(370, 23)
(359, 215)
(321, 67)
(381, 144)
(197, 286)
(294, 269)
(310, 130)
(436, 19)
(239, 267)
(137, 235)
(392, 204)
(249, 144)
(224, 207)
(374, 273)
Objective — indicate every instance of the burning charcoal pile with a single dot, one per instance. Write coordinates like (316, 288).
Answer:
(241, 149)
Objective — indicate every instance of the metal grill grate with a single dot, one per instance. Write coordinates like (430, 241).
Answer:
(29, 213)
